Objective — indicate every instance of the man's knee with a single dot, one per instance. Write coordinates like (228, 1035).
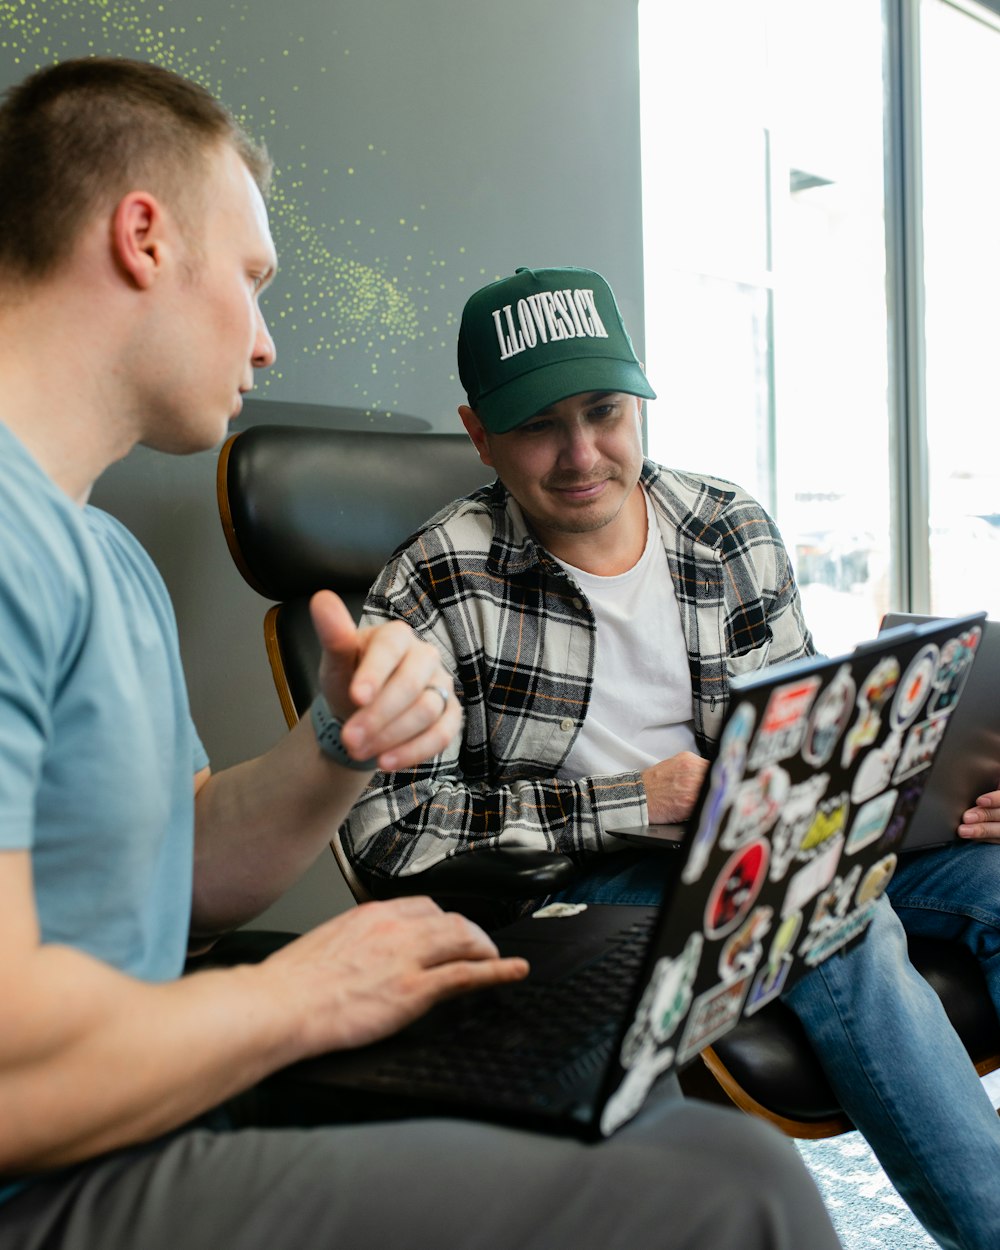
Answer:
(742, 1182)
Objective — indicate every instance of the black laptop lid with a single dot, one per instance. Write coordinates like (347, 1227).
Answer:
(793, 840)
(795, 837)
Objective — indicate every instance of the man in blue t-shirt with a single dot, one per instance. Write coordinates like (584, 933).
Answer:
(134, 245)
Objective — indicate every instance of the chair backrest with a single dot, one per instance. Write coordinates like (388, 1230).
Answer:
(305, 509)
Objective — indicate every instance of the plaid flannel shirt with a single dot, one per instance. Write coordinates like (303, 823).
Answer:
(518, 636)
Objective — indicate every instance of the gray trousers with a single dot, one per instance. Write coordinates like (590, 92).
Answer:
(683, 1175)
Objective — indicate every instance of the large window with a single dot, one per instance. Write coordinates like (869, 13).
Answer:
(786, 350)
(960, 60)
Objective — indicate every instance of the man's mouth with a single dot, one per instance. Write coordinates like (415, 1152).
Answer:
(579, 490)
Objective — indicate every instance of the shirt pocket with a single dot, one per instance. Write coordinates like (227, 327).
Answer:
(748, 642)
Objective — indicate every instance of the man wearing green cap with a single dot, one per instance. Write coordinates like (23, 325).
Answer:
(592, 608)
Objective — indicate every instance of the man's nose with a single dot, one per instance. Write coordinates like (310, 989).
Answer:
(264, 351)
(578, 447)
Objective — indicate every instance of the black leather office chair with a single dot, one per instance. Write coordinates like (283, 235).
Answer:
(307, 508)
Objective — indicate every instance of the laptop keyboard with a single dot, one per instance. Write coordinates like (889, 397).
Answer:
(521, 1044)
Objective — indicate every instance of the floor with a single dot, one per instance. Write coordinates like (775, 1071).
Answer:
(866, 1211)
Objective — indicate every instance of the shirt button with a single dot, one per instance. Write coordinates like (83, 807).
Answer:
(578, 603)
(567, 724)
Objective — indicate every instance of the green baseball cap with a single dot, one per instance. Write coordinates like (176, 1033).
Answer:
(528, 341)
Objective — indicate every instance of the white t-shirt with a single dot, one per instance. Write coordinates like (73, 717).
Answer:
(641, 709)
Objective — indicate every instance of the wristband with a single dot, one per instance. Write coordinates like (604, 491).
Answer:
(327, 728)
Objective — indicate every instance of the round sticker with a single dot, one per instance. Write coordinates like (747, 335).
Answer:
(914, 686)
(736, 888)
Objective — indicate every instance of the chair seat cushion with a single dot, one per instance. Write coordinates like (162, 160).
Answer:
(769, 1057)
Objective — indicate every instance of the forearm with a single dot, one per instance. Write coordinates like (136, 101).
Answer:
(261, 824)
(499, 785)
(91, 1059)
(406, 825)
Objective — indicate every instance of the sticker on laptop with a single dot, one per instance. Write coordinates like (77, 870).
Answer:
(875, 692)
(756, 806)
(795, 821)
(736, 889)
(643, 1054)
(875, 771)
(870, 822)
(922, 742)
(836, 934)
(745, 949)
(783, 725)
(914, 687)
(829, 718)
(957, 655)
(875, 880)
(829, 820)
(664, 1001)
(558, 911)
(815, 876)
(828, 926)
(909, 796)
(727, 773)
(770, 979)
(712, 1014)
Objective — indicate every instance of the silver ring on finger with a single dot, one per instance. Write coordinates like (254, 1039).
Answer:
(444, 696)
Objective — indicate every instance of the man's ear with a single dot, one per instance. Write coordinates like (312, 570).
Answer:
(137, 228)
(477, 432)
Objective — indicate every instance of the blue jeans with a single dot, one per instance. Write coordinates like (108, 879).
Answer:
(887, 1047)
(955, 894)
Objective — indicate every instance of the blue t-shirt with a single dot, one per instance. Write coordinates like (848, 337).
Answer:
(97, 749)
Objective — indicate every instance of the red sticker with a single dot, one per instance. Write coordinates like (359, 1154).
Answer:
(737, 887)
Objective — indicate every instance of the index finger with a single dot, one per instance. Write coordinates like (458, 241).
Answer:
(382, 649)
(462, 976)
(451, 937)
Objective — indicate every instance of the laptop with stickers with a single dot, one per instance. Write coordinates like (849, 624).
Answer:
(968, 763)
(794, 838)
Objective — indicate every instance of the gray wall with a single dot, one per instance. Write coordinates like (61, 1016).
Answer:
(423, 148)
